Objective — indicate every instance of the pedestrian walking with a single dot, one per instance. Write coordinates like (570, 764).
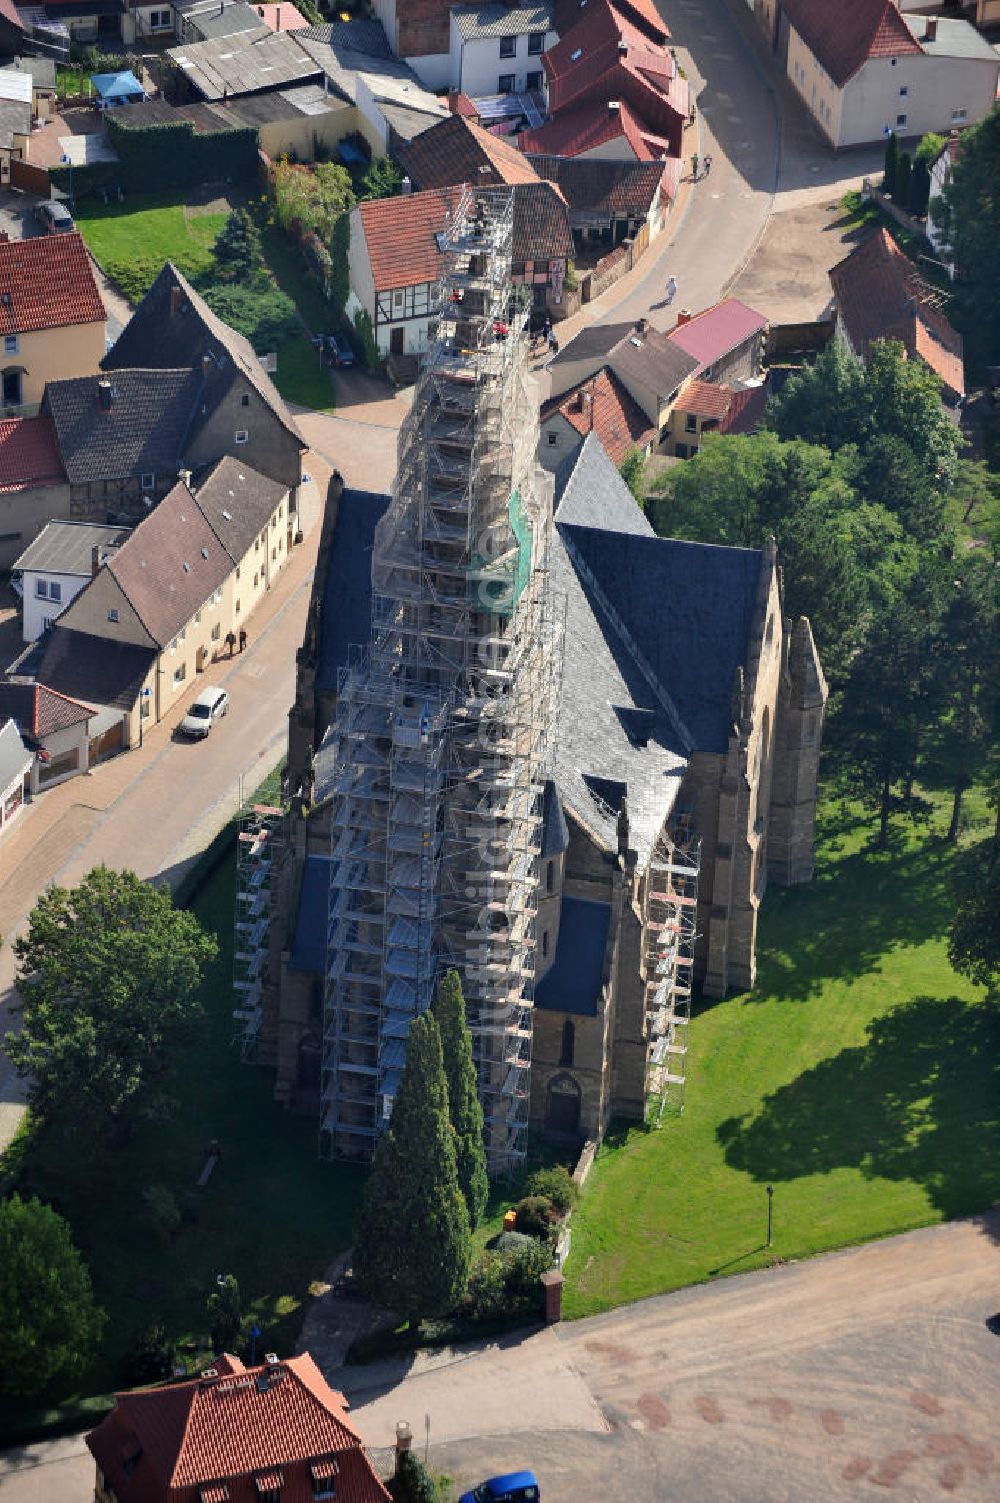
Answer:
(694, 168)
(553, 343)
(243, 638)
(231, 642)
(708, 166)
(671, 289)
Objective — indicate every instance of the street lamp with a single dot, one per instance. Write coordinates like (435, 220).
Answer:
(770, 1209)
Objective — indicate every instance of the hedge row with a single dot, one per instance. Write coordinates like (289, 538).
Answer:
(177, 156)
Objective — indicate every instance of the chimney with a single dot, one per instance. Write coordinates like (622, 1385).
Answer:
(104, 395)
(176, 299)
(4, 237)
(406, 186)
(683, 317)
(184, 476)
(930, 30)
(206, 365)
(95, 559)
(623, 48)
(277, 18)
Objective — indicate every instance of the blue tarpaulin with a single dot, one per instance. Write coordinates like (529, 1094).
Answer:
(117, 88)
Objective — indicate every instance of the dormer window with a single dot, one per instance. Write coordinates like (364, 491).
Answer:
(323, 1476)
(269, 1485)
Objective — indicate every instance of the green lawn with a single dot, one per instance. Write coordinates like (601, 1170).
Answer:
(131, 240)
(300, 377)
(860, 1078)
(271, 1214)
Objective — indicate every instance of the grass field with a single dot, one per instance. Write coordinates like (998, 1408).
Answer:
(131, 240)
(860, 1078)
(301, 378)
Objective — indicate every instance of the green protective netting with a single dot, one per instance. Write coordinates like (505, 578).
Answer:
(521, 526)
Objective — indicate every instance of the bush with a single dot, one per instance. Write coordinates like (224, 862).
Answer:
(150, 1358)
(534, 1215)
(162, 1212)
(506, 1282)
(414, 1484)
(570, 281)
(366, 337)
(263, 313)
(557, 1185)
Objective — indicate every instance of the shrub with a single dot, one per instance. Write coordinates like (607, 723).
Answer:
(534, 1215)
(570, 281)
(366, 334)
(505, 1282)
(311, 198)
(556, 1184)
(162, 1212)
(413, 1483)
(150, 1358)
(264, 314)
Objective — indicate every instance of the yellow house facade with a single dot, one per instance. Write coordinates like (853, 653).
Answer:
(52, 321)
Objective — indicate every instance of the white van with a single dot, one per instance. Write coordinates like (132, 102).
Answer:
(203, 712)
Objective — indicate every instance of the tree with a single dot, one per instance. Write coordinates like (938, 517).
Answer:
(824, 403)
(382, 180)
(108, 981)
(632, 469)
(265, 314)
(412, 1245)
(891, 158)
(901, 186)
(920, 188)
(225, 1313)
(48, 1323)
(312, 198)
(463, 1097)
(968, 216)
(892, 475)
(237, 249)
(151, 1357)
(974, 936)
(969, 664)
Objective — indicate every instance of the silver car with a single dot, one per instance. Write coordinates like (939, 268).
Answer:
(54, 217)
(203, 712)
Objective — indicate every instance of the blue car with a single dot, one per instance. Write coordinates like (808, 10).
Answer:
(515, 1487)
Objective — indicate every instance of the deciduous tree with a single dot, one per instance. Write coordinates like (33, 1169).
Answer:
(463, 1097)
(968, 215)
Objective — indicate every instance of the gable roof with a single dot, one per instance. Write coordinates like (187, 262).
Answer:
(15, 758)
(245, 1422)
(29, 452)
(651, 359)
(93, 669)
(401, 235)
(167, 567)
(173, 327)
(710, 335)
(604, 408)
(237, 502)
(881, 295)
(47, 282)
(584, 128)
(67, 547)
(599, 187)
(457, 150)
(843, 37)
(38, 710)
(591, 493)
(733, 409)
(610, 51)
(142, 432)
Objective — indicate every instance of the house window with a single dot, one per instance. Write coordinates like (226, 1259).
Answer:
(508, 46)
(216, 631)
(245, 399)
(904, 91)
(148, 480)
(900, 121)
(255, 579)
(10, 344)
(159, 20)
(691, 423)
(505, 83)
(398, 302)
(55, 590)
(957, 115)
(180, 673)
(242, 436)
(536, 42)
(568, 1044)
(553, 439)
(197, 618)
(323, 1475)
(42, 589)
(534, 81)
(12, 388)
(112, 615)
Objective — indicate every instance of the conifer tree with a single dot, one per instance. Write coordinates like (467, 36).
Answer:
(463, 1098)
(412, 1245)
(891, 157)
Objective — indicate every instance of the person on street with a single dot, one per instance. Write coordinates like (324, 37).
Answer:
(671, 289)
(694, 167)
(708, 166)
(231, 642)
(243, 638)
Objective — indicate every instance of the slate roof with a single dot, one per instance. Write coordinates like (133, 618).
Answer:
(881, 295)
(401, 232)
(15, 758)
(495, 19)
(249, 1422)
(244, 63)
(93, 669)
(710, 335)
(573, 981)
(345, 617)
(603, 407)
(67, 547)
(651, 359)
(29, 452)
(843, 37)
(593, 494)
(309, 943)
(597, 187)
(167, 568)
(237, 503)
(158, 337)
(47, 282)
(143, 433)
(555, 831)
(38, 710)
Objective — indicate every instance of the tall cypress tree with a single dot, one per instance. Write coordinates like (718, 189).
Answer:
(891, 157)
(463, 1098)
(901, 187)
(412, 1245)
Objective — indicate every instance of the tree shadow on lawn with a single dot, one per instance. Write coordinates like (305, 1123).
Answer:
(918, 1101)
(849, 919)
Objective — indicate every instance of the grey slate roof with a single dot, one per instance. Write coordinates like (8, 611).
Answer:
(15, 758)
(345, 620)
(144, 431)
(584, 355)
(495, 19)
(555, 831)
(218, 18)
(237, 502)
(573, 981)
(67, 547)
(653, 360)
(590, 493)
(309, 943)
(94, 669)
(955, 38)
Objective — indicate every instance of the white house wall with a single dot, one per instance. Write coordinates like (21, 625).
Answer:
(475, 66)
(40, 611)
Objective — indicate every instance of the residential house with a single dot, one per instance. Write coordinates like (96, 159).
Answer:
(728, 340)
(158, 610)
(15, 766)
(34, 486)
(204, 20)
(52, 570)
(390, 103)
(605, 130)
(645, 362)
(79, 21)
(395, 263)
(50, 725)
(458, 151)
(495, 48)
(863, 68)
(879, 294)
(601, 406)
(15, 120)
(706, 408)
(234, 1435)
(612, 201)
(238, 409)
(42, 72)
(52, 320)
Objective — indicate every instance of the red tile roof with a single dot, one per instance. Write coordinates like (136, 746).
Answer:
(460, 104)
(842, 37)
(603, 407)
(881, 295)
(585, 128)
(46, 283)
(231, 1431)
(400, 233)
(746, 411)
(38, 710)
(705, 399)
(283, 17)
(29, 454)
(9, 12)
(733, 409)
(457, 150)
(710, 335)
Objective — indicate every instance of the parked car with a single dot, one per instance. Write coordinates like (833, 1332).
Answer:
(515, 1487)
(54, 217)
(340, 350)
(203, 712)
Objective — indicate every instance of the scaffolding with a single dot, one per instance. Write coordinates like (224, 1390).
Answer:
(669, 934)
(258, 843)
(442, 721)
